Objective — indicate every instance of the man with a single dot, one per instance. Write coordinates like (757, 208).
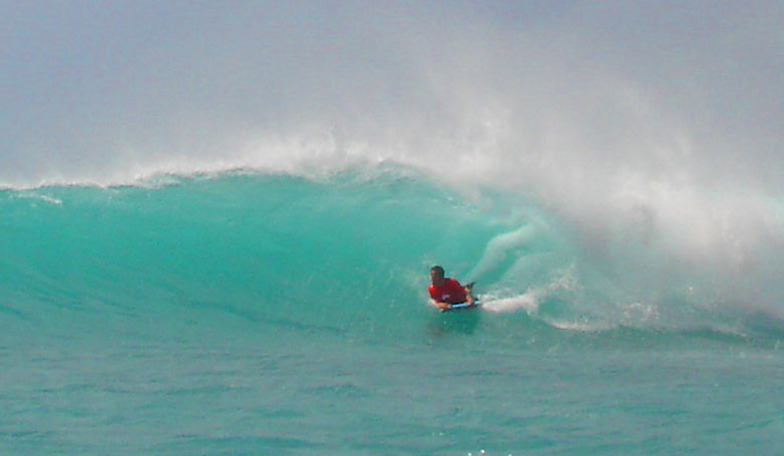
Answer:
(446, 291)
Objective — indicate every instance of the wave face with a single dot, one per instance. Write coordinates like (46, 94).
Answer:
(345, 254)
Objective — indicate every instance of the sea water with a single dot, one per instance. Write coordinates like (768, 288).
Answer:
(249, 312)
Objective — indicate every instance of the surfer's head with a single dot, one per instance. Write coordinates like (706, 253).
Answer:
(437, 275)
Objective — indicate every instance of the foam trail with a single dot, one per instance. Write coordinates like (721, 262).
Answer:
(528, 302)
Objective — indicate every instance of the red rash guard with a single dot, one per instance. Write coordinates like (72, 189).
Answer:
(451, 292)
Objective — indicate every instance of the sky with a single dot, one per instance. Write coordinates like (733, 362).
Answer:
(94, 86)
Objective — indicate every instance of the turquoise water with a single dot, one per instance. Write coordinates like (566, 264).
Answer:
(249, 313)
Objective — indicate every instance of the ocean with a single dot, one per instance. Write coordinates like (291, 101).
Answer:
(248, 312)
(218, 219)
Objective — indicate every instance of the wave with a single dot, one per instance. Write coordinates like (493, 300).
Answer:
(345, 254)
(563, 168)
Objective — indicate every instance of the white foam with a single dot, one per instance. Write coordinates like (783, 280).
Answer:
(41, 197)
(527, 302)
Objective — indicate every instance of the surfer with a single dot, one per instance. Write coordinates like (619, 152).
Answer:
(446, 291)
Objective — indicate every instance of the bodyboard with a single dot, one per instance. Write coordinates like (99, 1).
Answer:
(463, 306)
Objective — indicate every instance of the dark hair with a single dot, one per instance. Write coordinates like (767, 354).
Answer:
(439, 270)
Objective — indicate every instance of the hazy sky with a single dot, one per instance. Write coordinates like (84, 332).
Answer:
(87, 86)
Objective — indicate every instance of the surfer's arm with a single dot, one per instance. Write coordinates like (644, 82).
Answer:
(468, 290)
